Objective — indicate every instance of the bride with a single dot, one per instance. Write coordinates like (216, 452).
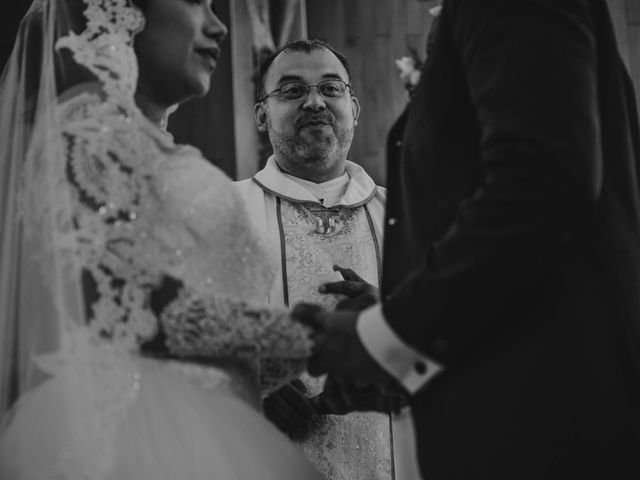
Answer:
(131, 327)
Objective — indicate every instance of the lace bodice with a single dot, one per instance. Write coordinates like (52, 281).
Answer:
(143, 210)
(112, 213)
(128, 211)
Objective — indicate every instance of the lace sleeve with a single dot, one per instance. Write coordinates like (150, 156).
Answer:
(221, 327)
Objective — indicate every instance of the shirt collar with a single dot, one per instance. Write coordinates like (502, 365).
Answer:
(360, 190)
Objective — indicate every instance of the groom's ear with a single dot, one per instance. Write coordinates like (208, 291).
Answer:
(260, 116)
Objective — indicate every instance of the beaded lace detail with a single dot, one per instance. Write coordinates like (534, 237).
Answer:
(37, 6)
(116, 204)
(105, 46)
(141, 209)
(170, 214)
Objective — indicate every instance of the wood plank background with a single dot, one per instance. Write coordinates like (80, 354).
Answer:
(626, 15)
(626, 19)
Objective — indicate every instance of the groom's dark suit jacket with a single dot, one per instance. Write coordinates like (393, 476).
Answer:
(518, 204)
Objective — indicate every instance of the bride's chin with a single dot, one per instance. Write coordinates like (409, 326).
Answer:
(202, 86)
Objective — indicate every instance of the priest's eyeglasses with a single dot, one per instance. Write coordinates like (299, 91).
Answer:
(333, 88)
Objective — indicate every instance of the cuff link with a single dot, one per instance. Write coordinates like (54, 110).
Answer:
(420, 367)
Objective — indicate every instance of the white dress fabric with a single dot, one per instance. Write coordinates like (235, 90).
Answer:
(129, 212)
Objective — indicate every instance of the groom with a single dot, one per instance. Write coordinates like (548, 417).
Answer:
(516, 327)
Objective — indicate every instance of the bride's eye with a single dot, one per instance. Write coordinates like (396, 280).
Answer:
(210, 3)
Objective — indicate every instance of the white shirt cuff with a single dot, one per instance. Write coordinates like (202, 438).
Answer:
(406, 364)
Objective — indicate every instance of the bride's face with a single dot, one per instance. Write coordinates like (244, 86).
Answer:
(178, 49)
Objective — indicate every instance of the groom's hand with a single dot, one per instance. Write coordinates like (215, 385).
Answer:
(338, 350)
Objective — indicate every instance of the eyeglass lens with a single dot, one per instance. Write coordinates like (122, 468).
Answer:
(327, 88)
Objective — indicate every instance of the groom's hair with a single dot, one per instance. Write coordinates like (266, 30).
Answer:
(306, 46)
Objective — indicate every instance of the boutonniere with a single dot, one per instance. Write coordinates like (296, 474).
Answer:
(409, 70)
(435, 11)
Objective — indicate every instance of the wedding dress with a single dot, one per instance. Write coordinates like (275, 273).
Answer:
(152, 346)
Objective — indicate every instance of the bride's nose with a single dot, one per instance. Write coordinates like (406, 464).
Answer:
(213, 26)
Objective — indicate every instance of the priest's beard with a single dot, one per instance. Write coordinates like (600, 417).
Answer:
(313, 149)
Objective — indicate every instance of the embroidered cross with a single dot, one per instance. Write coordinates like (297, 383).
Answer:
(325, 219)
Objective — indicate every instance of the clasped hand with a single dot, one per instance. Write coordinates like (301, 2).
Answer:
(337, 349)
(355, 381)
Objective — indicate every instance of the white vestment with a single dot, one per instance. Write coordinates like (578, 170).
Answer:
(317, 226)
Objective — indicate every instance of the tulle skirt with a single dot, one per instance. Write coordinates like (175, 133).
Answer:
(146, 423)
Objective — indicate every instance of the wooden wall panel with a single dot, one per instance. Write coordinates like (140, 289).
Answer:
(246, 138)
(415, 24)
(633, 26)
(633, 12)
(633, 31)
(626, 19)
(618, 11)
(382, 23)
(356, 17)
(634, 59)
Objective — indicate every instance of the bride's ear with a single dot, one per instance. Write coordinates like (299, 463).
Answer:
(260, 116)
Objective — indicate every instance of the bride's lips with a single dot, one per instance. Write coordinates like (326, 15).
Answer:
(211, 55)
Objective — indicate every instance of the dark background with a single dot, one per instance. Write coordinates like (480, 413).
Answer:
(9, 22)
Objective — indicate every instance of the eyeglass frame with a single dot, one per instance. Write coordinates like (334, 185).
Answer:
(309, 87)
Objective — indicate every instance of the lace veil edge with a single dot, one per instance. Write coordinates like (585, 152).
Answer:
(41, 295)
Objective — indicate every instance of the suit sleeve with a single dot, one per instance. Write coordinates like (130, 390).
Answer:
(531, 71)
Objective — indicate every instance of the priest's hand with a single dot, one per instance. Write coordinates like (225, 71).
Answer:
(290, 409)
(360, 293)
